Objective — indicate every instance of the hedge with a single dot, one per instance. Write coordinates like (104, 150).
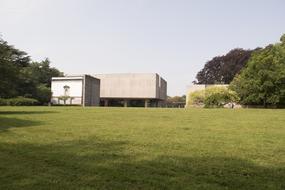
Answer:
(3, 102)
(19, 101)
(212, 97)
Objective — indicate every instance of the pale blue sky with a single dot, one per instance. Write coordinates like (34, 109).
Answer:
(171, 37)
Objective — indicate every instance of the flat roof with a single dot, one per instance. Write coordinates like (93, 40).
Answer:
(72, 77)
(125, 74)
(68, 78)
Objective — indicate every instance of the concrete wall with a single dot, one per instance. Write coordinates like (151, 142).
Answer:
(91, 91)
(132, 86)
(75, 91)
(162, 89)
(196, 87)
(83, 90)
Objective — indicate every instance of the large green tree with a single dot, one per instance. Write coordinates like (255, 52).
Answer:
(36, 80)
(263, 79)
(21, 77)
(11, 62)
(222, 69)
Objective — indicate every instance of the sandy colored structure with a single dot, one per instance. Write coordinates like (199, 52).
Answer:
(76, 90)
(148, 90)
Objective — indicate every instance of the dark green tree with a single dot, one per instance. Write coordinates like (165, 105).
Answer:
(42, 72)
(36, 80)
(11, 62)
(21, 77)
(222, 69)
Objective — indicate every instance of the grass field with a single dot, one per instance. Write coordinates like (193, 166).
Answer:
(118, 148)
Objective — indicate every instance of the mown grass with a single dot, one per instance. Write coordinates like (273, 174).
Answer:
(118, 148)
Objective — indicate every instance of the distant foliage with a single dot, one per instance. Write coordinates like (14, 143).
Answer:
(176, 101)
(222, 69)
(19, 76)
(262, 82)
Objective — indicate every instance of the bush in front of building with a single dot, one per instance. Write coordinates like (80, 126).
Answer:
(196, 98)
(22, 101)
(43, 94)
(217, 97)
(213, 97)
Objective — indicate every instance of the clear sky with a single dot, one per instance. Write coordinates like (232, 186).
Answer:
(171, 37)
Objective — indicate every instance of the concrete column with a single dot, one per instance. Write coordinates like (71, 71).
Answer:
(125, 103)
(106, 103)
(146, 103)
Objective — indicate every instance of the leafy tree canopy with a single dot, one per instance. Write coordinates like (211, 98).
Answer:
(19, 76)
(222, 69)
(11, 61)
(263, 80)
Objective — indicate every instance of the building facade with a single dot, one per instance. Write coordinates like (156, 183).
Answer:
(135, 90)
(76, 90)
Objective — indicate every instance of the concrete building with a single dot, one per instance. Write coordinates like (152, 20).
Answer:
(76, 90)
(142, 90)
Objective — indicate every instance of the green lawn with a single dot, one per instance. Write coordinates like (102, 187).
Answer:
(126, 148)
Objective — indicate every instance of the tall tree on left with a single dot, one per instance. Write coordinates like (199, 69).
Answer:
(12, 61)
(19, 76)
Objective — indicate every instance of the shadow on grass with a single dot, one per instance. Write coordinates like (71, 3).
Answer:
(97, 164)
(7, 123)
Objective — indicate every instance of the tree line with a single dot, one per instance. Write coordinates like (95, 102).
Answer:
(257, 76)
(22, 77)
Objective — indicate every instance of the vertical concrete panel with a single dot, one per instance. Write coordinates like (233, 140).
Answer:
(162, 89)
(92, 91)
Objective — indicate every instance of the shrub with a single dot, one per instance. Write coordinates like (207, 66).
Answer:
(212, 97)
(22, 101)
(43, 94)
(196, 98)
(3, 102)
(219, 96)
